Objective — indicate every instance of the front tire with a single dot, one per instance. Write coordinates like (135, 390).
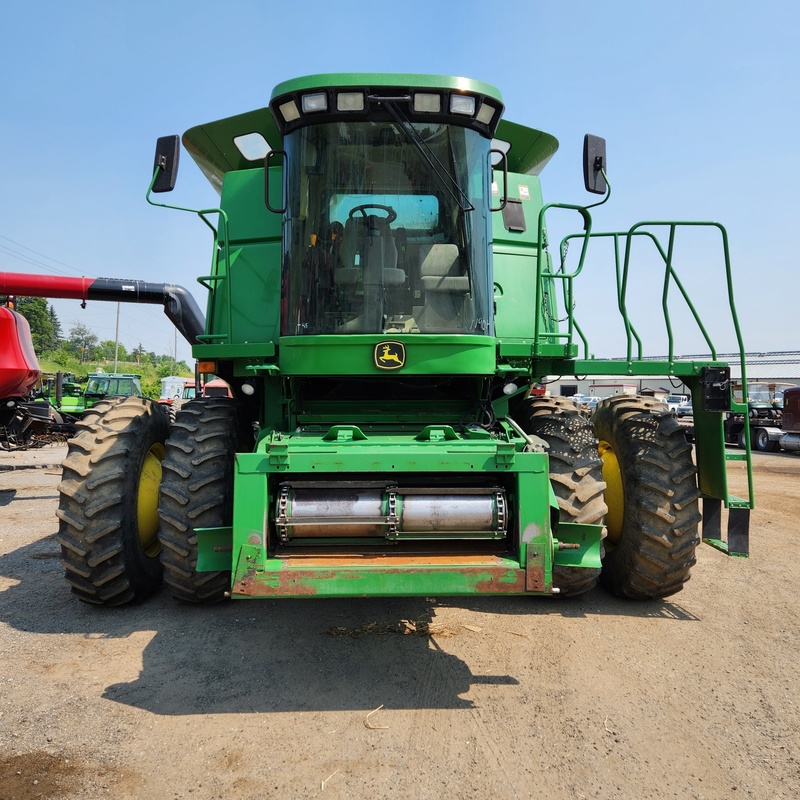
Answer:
(652, 496)
(197, 492)
(109, 499)
(575, 474)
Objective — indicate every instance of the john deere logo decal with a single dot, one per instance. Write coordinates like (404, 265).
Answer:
(390, 355)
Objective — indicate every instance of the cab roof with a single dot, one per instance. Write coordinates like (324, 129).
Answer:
(213, 145)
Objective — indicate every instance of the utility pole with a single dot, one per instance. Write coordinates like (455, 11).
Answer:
(116, 341)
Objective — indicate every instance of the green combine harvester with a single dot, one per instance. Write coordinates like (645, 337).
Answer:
(384, 307)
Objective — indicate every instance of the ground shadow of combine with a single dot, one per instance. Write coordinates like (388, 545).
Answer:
(296, 655)
(280, 655)
(240, 657)
(597, 602)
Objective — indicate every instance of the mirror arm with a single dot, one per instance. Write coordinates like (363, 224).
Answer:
(608, 191)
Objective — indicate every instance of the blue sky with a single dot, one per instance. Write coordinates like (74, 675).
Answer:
(698, 102)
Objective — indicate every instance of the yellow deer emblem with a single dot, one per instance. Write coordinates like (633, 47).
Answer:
(390, 355)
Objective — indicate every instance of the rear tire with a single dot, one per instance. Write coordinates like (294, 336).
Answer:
(652, 497)
(109, 495)
(197, 492)
(763, 443)
(575, 474)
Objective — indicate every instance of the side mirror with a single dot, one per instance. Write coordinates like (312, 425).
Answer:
(594, 160)
(165, 165)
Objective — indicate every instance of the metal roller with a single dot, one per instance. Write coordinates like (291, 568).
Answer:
(312, 513)
(393, 513)
(448, 513)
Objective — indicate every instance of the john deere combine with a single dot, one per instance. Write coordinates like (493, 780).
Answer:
(383, 304)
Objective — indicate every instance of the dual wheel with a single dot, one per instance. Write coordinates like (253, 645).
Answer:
(134, 489)
(633, 458)
(759, 439)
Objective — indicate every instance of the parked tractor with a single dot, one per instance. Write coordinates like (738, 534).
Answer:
(384, 304)
(111, 384)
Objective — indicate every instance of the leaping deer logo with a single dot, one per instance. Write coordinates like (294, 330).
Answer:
(390, 355)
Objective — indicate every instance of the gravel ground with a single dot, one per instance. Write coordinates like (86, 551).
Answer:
(693, 697)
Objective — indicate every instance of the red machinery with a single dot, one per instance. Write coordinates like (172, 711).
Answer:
(19, 368)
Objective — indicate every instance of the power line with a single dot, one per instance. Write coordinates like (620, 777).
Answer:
(34, 262)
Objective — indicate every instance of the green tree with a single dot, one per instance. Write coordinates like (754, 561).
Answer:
(165, 368)
(40, 315)
(62, 356)
(57, 331)
(107, 349)
(83, 341)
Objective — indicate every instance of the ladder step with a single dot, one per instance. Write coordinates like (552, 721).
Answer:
(737, 502)
(730, 456)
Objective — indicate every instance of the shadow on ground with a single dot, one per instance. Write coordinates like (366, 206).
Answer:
(280, 655)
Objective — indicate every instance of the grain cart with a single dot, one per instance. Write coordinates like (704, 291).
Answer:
(381, 300)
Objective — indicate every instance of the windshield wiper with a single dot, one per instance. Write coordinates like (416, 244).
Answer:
(439, 171)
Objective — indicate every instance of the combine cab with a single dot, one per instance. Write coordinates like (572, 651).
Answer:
(383, 305)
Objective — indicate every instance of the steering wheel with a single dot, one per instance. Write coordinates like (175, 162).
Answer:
(391, 214)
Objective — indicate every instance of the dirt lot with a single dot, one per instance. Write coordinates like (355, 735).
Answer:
(694, 697)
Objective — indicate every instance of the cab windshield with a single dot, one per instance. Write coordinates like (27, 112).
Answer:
(114, 386)
(385, 234)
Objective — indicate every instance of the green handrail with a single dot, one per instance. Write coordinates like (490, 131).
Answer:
(542, 238)
(224, 245)
(669, 272)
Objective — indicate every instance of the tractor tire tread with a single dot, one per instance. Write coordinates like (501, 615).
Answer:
(98, 529)
(657, 545)
(197, 492)
(575, 475)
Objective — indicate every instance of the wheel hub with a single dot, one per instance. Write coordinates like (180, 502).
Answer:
(614, 494)
(147, 499)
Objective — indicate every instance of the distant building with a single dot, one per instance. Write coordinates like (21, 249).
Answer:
(782, 367)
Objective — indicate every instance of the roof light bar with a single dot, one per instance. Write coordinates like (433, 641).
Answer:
(289, 111)
(462, 104)
(426, 103)
(314, 102)
(448, 104)
(350, 101)
(486, 113)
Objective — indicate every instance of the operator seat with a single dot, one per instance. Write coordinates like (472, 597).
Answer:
(368, 260)
(447, 302)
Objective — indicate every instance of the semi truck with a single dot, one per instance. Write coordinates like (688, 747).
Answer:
(384, 304)
(757, 415)
(790, 432)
